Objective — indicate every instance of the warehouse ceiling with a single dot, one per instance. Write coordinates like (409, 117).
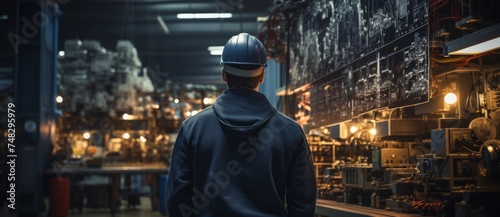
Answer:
(180, 55)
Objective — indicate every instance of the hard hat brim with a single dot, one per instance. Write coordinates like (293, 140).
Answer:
(243, 72)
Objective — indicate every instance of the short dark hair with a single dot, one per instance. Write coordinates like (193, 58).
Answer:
(234, 81)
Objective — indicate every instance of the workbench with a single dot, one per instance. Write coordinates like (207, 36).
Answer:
(333, 208)
(114, 171)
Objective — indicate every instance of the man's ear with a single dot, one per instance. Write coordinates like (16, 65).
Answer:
(223, 74)
(262, 76)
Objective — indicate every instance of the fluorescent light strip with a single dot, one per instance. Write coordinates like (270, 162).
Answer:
(204, 15)
(163, 25)
(479, 48)
(216, 52)
(262, 19)
(214, 48)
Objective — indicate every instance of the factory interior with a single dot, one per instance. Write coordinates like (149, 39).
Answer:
(399, 99)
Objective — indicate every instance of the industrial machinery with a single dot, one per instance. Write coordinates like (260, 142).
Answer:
(105, 96)
(452, 173)
(117, 111)
(116, 115)
(399, 100)
(93, 78)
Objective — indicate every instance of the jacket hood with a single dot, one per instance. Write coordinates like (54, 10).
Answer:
(242, 111)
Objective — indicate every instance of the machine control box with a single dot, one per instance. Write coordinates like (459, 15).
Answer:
(443, 141)
(390, 157)
(400, 127)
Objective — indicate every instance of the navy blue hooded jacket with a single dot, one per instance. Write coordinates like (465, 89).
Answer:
(241, 157)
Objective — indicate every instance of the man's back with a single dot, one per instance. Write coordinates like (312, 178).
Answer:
(240, 157)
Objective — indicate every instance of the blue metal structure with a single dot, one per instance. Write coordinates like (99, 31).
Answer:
(35, 90)
(272, 81)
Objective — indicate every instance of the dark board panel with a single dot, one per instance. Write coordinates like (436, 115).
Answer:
(360, 55)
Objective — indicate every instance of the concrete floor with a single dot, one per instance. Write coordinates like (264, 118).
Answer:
(143, 210)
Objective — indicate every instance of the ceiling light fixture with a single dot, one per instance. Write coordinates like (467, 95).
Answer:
(211, 48)
(215, 50)
(479, 48)
(477, 42)
(204, 15)
(262, 19)
(163, 25)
